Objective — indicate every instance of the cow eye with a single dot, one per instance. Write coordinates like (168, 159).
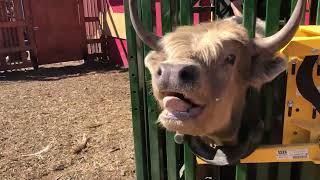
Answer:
(231, 59)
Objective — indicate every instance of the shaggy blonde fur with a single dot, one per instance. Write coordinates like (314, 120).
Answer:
(203, 41)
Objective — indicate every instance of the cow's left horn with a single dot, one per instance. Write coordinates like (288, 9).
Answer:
(283, 37)
(148, 38)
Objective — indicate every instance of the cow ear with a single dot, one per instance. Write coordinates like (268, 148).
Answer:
(153, 59)
(265, 68)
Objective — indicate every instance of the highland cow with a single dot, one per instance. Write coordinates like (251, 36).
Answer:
(201, 73)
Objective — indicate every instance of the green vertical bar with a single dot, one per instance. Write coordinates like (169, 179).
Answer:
(309, 171)
(156, 170)
(241, 172)
(293, 5)
(171, 146)
(216, 9)
(249, 13)
(189, 162)
(172, 159)
(185, 12)
(166, 15)
(136, 102)
(262, 171)
(318, 13)
(272, 26)
(284, 171)
(189, 158)
(272, 16)
(249, 22)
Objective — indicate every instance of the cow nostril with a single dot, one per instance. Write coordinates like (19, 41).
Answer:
(188, 73)
(159, 72)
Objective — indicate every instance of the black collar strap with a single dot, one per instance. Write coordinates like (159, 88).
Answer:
(226, 155)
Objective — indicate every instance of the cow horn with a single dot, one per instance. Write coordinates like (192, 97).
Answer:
(283, 37)
(148, 38)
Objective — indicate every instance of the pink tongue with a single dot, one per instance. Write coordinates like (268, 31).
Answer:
(174, 104)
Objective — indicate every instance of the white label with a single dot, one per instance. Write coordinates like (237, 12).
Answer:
(292, 154)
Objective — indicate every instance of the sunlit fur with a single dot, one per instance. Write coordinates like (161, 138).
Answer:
(203, 40)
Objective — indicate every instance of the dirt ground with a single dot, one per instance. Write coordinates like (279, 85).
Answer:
(67, 121)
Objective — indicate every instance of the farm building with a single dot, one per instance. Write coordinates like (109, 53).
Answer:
(34, 33)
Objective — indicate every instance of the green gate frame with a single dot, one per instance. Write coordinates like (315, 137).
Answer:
(157, 156)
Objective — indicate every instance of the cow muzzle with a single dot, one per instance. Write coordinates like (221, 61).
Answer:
(180, 77)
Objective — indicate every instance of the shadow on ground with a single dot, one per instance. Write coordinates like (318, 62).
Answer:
(60, 71)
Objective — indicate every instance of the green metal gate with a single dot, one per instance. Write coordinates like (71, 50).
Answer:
(156, 154)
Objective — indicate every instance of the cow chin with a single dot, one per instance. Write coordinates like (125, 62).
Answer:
(183, 126)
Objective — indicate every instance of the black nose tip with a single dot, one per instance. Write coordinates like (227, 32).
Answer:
(188, 73)
(159, 71)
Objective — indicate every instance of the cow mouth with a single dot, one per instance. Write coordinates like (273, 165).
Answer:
(178, 106)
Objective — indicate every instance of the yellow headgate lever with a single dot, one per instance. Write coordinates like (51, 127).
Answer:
(301, 129)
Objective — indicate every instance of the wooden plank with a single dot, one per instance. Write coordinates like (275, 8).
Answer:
(205, 16)
(91, 19)
(19, 30)
(28, 21)
(89, 8)
(15, 49)
(15, 37)
(17, 9)
(96, 8)
(81, 12)
(12, 24)
(115, 24)
(85, 8)
(1, 39)
(2, 11)
(10, 37)
(93, 41)
(5, 37)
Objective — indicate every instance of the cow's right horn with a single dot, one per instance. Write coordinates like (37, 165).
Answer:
(148, 38)
(284, 36)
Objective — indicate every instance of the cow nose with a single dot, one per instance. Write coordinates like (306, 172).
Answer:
(173, 74)
(188, 73)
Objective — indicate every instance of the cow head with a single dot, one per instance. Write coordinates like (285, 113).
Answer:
(200, 74)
